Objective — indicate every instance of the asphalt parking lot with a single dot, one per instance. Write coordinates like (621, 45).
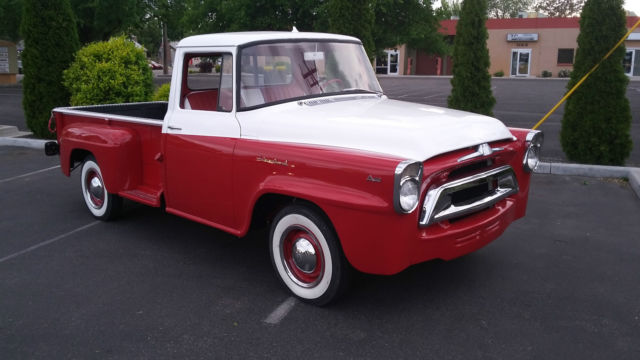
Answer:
(562, 283)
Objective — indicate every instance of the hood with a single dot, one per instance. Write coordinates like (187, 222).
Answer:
(372, 123)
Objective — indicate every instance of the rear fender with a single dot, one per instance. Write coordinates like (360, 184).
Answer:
(116, 149)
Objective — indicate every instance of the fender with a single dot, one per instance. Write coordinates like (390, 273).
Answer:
(116, 149)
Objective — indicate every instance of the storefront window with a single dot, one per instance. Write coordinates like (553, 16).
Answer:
(565, 56)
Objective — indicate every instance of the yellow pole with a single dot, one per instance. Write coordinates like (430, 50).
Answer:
(586, 76)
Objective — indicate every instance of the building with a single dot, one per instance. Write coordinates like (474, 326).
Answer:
(519, 47)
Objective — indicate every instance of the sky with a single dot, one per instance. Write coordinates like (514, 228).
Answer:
(633, 5)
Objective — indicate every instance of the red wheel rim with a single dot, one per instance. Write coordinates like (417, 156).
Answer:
(304, 278)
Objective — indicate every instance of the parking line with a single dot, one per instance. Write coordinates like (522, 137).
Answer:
(281, 311)
(28, 174)
(44, 243)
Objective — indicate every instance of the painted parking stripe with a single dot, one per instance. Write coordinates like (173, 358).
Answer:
(44, 243)
(281, 311)
(29, 174)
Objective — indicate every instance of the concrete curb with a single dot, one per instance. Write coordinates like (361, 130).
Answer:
(631, 173)
(28, 143)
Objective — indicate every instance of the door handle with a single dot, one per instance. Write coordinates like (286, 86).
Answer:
(173, 128)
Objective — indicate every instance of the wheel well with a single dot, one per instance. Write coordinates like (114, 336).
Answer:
(78, 156)
(268, 206)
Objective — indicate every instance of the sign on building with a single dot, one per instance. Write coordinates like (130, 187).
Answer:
(522, 37)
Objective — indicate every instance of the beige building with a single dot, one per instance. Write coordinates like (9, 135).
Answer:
(8, 62)
(521, 47)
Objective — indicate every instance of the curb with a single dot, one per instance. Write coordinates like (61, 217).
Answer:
(28, 143)
(631, 173)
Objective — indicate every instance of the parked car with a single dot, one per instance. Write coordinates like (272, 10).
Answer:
(297, 134)
(154, 65)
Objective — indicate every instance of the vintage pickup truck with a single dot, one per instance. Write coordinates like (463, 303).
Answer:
(293, 130)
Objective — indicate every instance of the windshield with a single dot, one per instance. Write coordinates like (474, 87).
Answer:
(271, 73)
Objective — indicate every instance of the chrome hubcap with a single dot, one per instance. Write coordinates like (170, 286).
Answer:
(95, 190)
(304, 255)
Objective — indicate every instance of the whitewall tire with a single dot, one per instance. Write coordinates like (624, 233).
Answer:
(307, 256)
(102, 204)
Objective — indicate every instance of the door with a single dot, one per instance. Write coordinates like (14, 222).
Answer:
(200, 136)
(392, 62)
(520, 62)
(631, 62)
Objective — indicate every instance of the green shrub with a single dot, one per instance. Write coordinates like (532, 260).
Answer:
(498, 73)
(51, 40)
(564, 73)
(162, 93)
(596, 124)
(108, 72)
(471, 82)
(546, 74)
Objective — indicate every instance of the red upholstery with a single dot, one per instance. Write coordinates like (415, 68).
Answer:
(202, 100)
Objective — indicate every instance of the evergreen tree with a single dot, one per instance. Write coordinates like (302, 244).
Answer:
(471, 83)
(597, 119)
(355, 18)
(50, 42)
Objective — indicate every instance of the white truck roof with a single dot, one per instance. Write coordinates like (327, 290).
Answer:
(241, 38)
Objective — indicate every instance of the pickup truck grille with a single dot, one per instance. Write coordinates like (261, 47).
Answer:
(468, 195)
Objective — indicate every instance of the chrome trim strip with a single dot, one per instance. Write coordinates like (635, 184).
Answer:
(483, 150)
(507, 186)
(107, 117)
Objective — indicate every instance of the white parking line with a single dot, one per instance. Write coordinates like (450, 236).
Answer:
(29, 174)
(44, 243)
(281, 311)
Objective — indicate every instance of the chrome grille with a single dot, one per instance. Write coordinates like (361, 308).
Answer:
(468, 195)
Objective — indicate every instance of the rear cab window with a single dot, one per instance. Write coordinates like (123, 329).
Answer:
(208, 82)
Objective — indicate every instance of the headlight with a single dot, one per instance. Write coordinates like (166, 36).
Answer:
(406, 193)
(532, 155)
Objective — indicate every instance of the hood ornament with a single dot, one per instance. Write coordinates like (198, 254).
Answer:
(483, 150)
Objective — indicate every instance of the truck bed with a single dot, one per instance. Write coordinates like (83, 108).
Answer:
(154, 111)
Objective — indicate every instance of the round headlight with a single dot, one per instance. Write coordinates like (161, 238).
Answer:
(532, 158)
(532, 155)
(409, 191)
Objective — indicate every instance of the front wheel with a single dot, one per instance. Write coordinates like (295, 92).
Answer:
(307, 256)
(102, 204)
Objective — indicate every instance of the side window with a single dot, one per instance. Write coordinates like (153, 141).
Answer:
(207, 83)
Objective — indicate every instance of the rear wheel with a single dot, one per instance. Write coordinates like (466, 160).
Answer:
(102, 204)
(307, 256)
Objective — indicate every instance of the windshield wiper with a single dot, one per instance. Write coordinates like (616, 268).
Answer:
(362, 90)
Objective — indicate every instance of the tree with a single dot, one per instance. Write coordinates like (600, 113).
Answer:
(203, 16)
(502, 9)
(99, 20)
(410, 22)
(355, 18)
(10, 15)
(597, 119)
(559, 8)
(50, 42)
(471, 82)
(447, 9)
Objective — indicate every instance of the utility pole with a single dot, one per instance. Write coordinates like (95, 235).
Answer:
(166, 51)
